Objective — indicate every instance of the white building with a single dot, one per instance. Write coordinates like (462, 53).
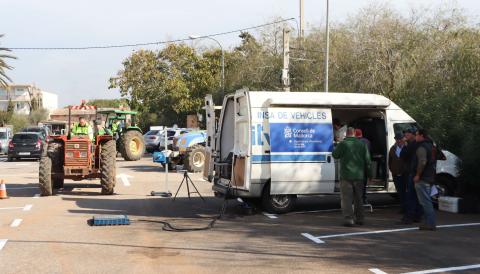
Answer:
(26, 97)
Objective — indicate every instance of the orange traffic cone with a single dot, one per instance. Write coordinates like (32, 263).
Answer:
(3, 190)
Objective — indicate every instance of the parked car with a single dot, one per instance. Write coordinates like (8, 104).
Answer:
(43, 131)
(6, 134)
(155, 139)
(25, 145)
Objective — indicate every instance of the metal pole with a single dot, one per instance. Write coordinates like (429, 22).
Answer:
(222, 81)
(302, 22)
(326, 49)
(286, 60)
(223, 65)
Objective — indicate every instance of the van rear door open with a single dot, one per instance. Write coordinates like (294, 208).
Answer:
(301, 143)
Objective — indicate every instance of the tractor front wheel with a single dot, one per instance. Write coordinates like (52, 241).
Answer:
(45, 176)
(133, 145)
(108, 153)
(195, 159)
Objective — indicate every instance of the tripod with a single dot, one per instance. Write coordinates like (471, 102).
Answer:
(187, 180)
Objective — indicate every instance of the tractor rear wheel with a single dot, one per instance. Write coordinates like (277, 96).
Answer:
(132, 146)
(195, 159)
(50, 173)
(108, 153)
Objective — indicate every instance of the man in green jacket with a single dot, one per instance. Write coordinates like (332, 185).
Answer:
(354, 162)
(82, 128)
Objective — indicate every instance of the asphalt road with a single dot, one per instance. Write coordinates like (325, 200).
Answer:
(51, 234)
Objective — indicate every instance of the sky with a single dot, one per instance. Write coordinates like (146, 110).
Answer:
(83, 74)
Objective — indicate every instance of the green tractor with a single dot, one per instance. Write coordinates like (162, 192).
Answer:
(128, 136)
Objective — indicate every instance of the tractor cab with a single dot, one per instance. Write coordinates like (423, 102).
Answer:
(122, 125)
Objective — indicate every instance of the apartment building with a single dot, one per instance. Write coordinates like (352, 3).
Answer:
(27, 97)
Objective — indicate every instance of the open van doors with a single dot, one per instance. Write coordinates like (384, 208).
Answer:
(242, 139)
(301, 142)
(211, 133)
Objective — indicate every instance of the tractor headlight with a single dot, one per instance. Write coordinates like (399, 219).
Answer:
(69, 154)
(83, 154)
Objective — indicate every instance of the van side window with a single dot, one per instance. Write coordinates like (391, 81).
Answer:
(401, 127)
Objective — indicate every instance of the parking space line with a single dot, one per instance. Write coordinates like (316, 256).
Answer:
(376, 271)
(447, 269)
(36, 196)
(320, 241)
(124, 178)
(2, 243)
(313, 238)
(16, 223)
(8, 208)
(27, 207)
(271, 216)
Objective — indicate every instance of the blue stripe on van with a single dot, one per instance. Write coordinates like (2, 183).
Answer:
(288, 158)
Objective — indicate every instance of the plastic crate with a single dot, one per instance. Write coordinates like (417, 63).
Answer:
(449, 204)
(103, 220)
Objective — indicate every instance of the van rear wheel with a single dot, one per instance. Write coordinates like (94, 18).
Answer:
(278, 204)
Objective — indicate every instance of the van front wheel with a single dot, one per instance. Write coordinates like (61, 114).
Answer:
(278, 204)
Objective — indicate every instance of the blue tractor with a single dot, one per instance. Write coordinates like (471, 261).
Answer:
(188, 150)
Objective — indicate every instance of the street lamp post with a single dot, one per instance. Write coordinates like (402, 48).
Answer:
(222, 81)
(327, 36)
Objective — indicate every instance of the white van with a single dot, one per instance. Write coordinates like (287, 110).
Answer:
(6, 134)
(277, 145)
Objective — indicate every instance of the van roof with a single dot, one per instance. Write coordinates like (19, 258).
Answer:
(271, 98)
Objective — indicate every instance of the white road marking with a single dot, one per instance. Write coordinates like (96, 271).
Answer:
(36, 196)
(124, 178)
(27, 207)
(313, 238)
(25, 164)
(2, 243)
(16, 223)
(7, 208)
(271, 216)
(447, 269)
(376, 271)
(309, 236)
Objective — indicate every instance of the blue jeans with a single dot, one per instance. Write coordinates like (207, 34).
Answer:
(414, 209)
(423, 192)
(401, 187)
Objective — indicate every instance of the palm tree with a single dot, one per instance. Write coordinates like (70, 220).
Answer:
(4, 66)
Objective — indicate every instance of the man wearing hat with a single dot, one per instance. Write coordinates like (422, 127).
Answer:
(398, 168)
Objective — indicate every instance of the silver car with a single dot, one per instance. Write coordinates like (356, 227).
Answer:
(155, 139)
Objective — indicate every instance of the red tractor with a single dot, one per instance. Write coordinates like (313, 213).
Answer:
(78, 158)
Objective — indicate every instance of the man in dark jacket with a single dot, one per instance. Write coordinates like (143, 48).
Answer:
(414, 209)
(398, 168)
(354, 162)
(424, 178)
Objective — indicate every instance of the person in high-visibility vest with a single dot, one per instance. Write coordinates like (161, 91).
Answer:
(116, 126)
(82, 128)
